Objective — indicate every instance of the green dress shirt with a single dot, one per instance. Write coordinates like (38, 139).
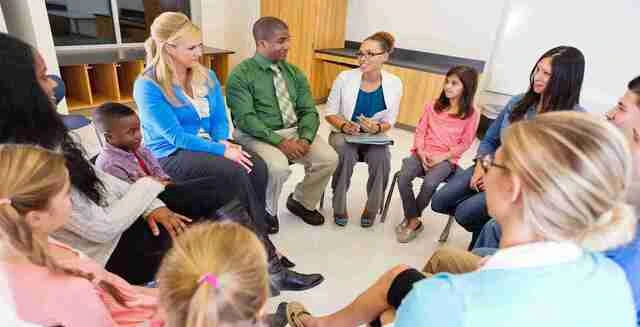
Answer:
(252, 100)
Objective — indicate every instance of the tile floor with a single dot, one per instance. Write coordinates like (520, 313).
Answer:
(351, 258)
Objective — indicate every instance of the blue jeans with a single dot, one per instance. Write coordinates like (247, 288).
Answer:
(457, 199)
(489, 239)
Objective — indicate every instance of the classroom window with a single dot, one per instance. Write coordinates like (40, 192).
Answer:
(91, 22)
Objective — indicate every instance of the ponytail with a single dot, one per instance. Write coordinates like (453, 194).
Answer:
(201, 312)
(151, 49)
(614, 228)
(215, 275)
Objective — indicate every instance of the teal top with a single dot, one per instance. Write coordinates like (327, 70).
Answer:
(369, 103)
(589, 292)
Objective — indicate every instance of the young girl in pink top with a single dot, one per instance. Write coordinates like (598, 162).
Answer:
(53, 284)
(446, 129)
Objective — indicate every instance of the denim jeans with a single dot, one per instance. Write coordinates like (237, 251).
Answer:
(457, 199)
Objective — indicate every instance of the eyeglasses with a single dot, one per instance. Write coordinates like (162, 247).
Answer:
(487, 161)
(368, 55)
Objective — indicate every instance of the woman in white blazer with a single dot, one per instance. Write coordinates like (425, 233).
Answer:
(363, 100)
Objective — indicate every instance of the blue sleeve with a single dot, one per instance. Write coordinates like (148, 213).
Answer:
(156, 111)
(491, 140)
(218, 122)
(432, 302)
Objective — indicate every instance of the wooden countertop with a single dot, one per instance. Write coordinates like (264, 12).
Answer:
(113, 55)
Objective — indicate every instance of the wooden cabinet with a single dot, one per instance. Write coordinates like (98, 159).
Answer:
(93, 77)
(90, 86)
(313, 24)
(420, 87)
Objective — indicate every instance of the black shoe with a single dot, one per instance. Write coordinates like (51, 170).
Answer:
(285, 262)
(279, 318)
(289, 280)
(273, 226)
(311, 217)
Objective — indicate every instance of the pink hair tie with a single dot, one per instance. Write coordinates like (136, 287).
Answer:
(5, 201)
(211, 279)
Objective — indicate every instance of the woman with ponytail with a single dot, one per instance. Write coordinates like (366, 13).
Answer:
(52, 283)
(214, 276)
(183, 114)
(557, 186)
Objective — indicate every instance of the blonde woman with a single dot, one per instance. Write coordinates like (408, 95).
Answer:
(557, 186)
(215, 275)
(184, 123)
(365, 99)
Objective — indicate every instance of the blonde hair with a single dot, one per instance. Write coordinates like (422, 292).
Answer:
(30, 177)
(575, 173)
(237, 259)
(167, 28)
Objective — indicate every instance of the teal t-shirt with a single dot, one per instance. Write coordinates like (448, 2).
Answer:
(589, 292)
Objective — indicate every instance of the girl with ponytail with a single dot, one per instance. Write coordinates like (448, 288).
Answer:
(215, 276)
(52, 283)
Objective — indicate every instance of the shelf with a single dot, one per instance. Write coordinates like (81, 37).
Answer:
(90, 86)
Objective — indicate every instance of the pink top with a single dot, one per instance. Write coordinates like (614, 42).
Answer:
(49, 299)
(439, 133)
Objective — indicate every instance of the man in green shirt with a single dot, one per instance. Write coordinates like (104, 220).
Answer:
(276, 117)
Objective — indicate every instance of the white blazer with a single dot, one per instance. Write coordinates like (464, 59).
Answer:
(344, 95)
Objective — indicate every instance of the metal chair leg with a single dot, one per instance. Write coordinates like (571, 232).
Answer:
(447, 228)
(385, 209)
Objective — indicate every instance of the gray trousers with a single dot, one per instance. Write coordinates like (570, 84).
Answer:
(378, 159)
(411, 169)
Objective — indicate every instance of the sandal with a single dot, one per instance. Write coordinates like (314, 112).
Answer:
(366, 221)
(295, 310)
(340, 220)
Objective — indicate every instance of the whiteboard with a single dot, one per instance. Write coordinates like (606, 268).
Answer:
(605, 31)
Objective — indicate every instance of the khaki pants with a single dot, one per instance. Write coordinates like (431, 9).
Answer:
(319, 165)
(452, 260)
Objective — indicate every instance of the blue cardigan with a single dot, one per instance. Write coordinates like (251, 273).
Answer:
(167, 128)
(589, 292)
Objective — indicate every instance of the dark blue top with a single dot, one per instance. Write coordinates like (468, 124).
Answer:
(369, 103)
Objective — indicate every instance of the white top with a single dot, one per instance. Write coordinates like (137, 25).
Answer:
(94, 229)
(531, 255)
(344, 95)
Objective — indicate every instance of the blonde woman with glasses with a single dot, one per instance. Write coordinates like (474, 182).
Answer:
(557, 186)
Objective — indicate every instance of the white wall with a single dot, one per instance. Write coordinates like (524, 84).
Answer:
(461, 28)
(3, 26)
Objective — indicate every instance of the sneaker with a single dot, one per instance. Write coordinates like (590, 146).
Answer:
(400, 227)
(407, 234)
